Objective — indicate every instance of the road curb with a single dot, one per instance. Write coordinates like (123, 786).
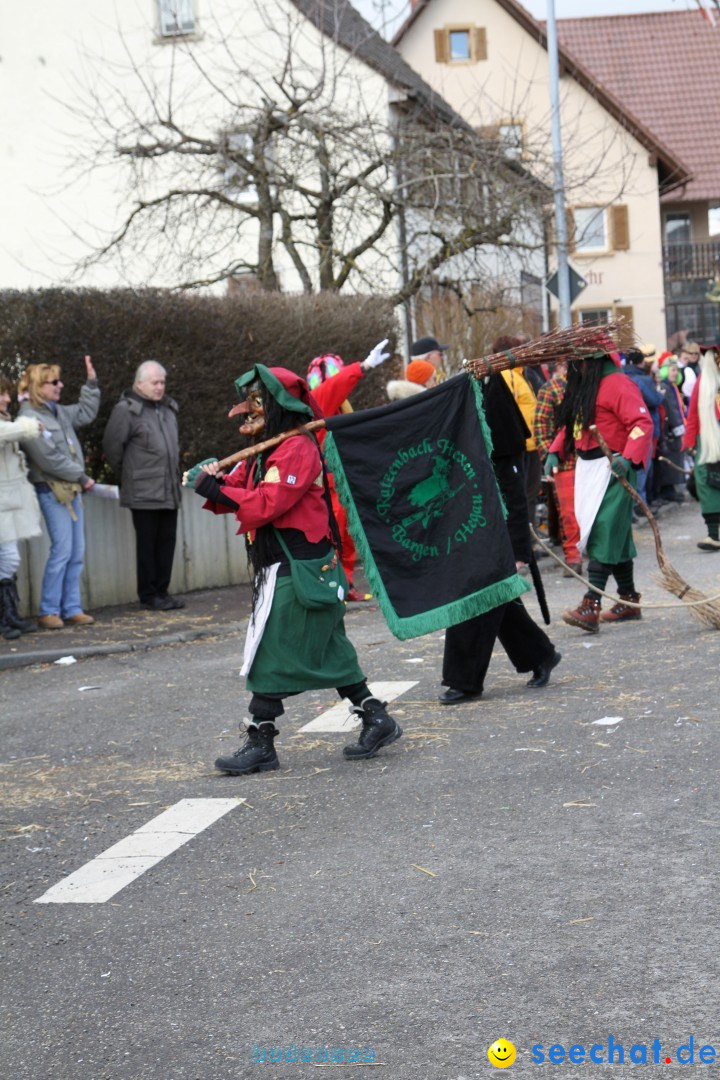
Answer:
(49, 656)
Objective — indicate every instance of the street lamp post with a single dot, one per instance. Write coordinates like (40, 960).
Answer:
(558, 180)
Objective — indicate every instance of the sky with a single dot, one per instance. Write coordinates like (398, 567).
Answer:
(393, 12)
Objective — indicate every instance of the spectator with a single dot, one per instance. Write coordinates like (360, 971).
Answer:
(428, 348)
(57, 469)
(142, 446)
(19, 510)
(653, 399)
(689, 361)
(419, 375)
(702, 436)
(669, 470)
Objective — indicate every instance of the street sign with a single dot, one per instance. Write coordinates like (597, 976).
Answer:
(577, 284)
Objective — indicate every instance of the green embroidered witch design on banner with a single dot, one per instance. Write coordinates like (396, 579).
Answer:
(423, 507)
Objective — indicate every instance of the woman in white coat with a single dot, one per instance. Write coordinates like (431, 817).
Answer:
(19, 510)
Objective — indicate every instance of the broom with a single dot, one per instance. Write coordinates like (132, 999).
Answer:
(561, 345)
(704, 610)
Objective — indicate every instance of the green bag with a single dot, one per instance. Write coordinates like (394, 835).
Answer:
(317, 582)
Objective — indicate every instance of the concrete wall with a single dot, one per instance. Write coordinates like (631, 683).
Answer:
(208, 554)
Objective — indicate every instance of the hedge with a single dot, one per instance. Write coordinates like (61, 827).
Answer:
(204, 342)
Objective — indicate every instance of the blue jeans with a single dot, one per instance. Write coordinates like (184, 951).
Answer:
(61, 580)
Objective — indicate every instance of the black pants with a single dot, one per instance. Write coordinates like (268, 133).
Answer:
(155, 532)
(469, 645)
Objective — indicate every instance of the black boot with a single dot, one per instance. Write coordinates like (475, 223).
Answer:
(12, 602)
(7, 630)
(257, 754)
(378, 729)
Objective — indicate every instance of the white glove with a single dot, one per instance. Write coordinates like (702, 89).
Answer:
(376, 356)
(679, 430)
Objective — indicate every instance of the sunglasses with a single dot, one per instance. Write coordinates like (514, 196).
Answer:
(52, 382)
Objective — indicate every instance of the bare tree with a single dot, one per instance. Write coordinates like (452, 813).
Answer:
(278, 156)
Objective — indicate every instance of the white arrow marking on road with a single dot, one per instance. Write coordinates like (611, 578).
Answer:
(119, 865)
(339, 718)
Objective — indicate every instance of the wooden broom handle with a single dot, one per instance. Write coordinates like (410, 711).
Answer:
(259, 448)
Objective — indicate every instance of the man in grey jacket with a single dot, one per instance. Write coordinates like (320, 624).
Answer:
(142, 447)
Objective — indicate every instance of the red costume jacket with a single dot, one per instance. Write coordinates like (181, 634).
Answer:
(621, 418)
(290, 495)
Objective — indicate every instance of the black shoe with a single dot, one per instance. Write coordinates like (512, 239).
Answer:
(163, 603)
(454, 697)
(257, 754)
(378, 729)
(9, 603)
(541, 674)
(175, 604)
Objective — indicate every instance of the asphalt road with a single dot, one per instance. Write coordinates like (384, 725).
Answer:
(510, 869)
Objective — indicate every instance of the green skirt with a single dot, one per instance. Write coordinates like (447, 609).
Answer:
(709, 497)
(611, 540)
(301, 649)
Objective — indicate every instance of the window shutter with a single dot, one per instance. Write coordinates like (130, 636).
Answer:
(626, 313)
(570, 226)
(575, 318)
(620, 227)
(479, 49)
(442, 47)
(553, 319)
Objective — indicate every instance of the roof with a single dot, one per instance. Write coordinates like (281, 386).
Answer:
(340, 22)
(672, 168)
(666, 65)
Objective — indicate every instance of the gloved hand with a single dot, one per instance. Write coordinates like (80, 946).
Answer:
(552, 462)
(679, 430)
(376, 356)
(620, 466)
(192, 474)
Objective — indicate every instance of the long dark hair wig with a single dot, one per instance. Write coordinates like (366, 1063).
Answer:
(263, 551)
(577, 408)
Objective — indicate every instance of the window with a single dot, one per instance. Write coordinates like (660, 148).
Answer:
(460, 44)
(511, 140)
(176, 17)
(591, 231)
(677, 229)
(595, 316)
(714, 221)
(236, 163)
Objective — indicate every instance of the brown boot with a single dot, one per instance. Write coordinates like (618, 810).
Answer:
(622, 612)
(586, 615)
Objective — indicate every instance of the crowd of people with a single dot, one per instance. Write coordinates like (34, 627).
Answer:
(552, 428)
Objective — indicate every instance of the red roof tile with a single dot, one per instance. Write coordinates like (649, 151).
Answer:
(665, 69)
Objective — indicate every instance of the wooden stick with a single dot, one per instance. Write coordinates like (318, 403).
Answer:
(259, 448)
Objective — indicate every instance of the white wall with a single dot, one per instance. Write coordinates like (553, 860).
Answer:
(208, 554)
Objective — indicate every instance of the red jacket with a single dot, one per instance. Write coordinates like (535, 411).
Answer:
(290, 496)
(621, 418)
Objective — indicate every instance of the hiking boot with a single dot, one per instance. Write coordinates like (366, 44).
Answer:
(621, 612)
(257, 754)
(586, 615)
(50, 622)
(708, 544)
(81, 619)
(378, 729)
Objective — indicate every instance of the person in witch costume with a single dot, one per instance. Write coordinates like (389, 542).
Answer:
(282, 502)
(702, 437)
(599, 394)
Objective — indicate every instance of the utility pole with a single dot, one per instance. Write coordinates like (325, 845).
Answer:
(558, 180)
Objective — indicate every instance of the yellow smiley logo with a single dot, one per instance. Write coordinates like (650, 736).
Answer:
(501, 1054)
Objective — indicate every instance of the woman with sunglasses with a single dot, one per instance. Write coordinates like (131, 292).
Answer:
(57, 469)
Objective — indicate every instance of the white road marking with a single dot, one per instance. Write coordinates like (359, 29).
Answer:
(339, 718)
(119, 865)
